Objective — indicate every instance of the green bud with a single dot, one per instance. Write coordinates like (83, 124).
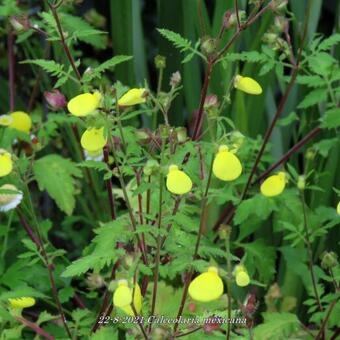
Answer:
(160, 62)
(329, 260)
(164, 131)
(209, 46)
(224, 231)
(95, 281)
(151, 167)
(269, 38)
(181, 134)
(237, 138)
(301, 183)
(311, 153)
(142, 136)
(233, 18)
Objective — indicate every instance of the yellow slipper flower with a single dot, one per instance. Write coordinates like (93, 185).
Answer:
(241, 276)
(6, 164)
(248, 85)
(84, 104)
(20, 121)
(273, 185)
(6, 120)
(226, 166)
(93, 139)
(23, 302)
(122, 298)
(207, 286)
(177, 181)
(338, 208)
(132, 97)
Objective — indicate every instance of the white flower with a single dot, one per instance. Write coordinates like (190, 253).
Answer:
(10, 201)
(96, 155)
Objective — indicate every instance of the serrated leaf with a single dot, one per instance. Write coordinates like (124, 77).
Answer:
(56, 175)
(327, 43)
(314, 97)
(331, 119)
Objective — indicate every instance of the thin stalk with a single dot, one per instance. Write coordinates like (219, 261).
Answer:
(54, 12)
(198, 241)
(11, 70)
(188, 332)
(7, 230)
(227, 245)
(108, 184)
(309, 250)
(323, 326)
(38, 330)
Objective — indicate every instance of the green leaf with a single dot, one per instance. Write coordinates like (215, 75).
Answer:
(314, 97)
(278, 326)
(108, 64)
(49, 66)
(327, 43)
(292, 117)
(57, 175)
(331, 119)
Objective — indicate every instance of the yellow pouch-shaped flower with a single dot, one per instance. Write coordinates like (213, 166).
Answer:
(248, 85)
(6, 164)
(226, 166)
(241, 276)
(273, 185)
(20, 121)
(23, 302)
(177, 181)
(84, 104)
(5, 120)
(93, 139)
(338, 208)
(10, 200)
(132, 97)
(122, 298)
(207, 286)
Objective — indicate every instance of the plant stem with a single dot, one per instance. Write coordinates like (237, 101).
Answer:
(198, 240)
(323, 326)
(49, 265)
(309, 250)
(54, 12)
(227, 244)
(108, 184)
(8, 227)
(11, 71)
(39, 331)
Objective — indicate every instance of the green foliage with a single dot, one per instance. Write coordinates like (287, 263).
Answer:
(56, 175)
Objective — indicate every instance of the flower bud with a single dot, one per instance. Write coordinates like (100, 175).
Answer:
(150, 167)
(237, 138)
(211, 101)
(278, 5)
(281, 23)
(142, 136)
(224, 231)
(182, 134)
(310, 154)
(20, 23)
(269, 38)
(209, 46)
(226, 19)
(160, 62)
(55, 99)
(95, 281)
(329, 260)
(301, 183)
(233, 18)
(175, 79)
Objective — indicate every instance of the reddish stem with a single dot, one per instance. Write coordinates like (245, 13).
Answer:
(34, 327)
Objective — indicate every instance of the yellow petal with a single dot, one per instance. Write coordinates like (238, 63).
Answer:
(93, 139)
(242, 279)
(338, 208)
(132, 97)
(6, 164)
(84, 104)
(273, 185)
(21, 121)
(6, 120)
(122, 298)
(226, 166)
(248, 85)
(23, 302)
(177, 181)
(207, 286)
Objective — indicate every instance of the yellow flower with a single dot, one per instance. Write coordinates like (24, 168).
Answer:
(338, 208)
(93, 139)
(6, 164)
(207, 286)
(84, 104)
(6, 120)
(241, 276)
(122, 297)
(21, 121)
(274, 185)
(177, 181)
(248, 85)
(23, 302)
(226, 166)
(132, 97)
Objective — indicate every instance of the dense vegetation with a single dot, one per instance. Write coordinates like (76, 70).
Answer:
(169, 169)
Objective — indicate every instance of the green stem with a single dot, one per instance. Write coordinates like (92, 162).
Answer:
(227, 245)
(8, 227)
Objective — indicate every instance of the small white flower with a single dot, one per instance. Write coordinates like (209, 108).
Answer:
(10, 201)
(96, 155)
